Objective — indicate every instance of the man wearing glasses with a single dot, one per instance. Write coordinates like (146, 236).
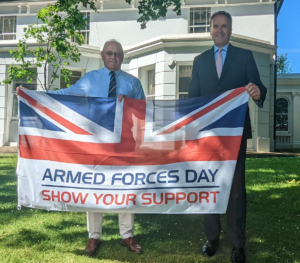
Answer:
(109, 81)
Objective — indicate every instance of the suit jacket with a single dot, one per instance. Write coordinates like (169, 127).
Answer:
(239, 69)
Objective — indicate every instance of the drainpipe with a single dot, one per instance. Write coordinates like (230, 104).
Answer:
(275, 78)
(277, 7)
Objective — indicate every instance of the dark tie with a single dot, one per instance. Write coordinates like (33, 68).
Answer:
(112, 85)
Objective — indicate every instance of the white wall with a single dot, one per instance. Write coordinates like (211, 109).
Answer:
(23, 21)
(124, 27)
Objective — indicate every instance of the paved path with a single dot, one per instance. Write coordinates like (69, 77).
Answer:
(14, 150)
(9, 149)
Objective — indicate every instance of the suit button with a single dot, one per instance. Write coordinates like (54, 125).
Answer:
(219, 87)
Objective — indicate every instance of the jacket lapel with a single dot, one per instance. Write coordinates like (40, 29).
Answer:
(229, 58)
(211, 63)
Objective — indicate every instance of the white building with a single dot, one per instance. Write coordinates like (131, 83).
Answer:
(288, 111)
(160, 55)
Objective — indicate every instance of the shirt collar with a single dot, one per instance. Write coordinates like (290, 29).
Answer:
(224, 48)
(107, 71)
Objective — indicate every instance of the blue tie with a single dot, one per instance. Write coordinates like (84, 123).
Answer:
(112, 85)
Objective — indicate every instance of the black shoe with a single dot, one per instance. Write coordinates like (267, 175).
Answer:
(210, 248)
(238, 255)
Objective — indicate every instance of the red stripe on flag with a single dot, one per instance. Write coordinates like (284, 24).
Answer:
(69, 125)
(199, 114)
(220, 148)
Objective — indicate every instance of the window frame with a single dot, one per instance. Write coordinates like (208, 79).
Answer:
(14, 33)
(144, 80)
(288, 131)
(82, 71)
(86, 32)
(180, 64)
(206, 26)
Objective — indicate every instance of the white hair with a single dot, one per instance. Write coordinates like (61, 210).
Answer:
(113, 40)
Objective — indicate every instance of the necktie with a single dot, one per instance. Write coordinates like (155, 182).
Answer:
(219, 62)
(112, 85)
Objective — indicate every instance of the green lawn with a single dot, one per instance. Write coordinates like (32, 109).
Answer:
(273, 223)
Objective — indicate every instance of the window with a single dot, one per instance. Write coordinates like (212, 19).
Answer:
(282, 111)
(148, 82)
(185, 74)
(17, 83)
(76, 75)
(199, 19)
(86, 31)
(7, 27)
(150, 88)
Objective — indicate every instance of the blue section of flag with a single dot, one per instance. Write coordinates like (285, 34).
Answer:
(233, 119)
(29, 118)
(98, 110)
(168, 111)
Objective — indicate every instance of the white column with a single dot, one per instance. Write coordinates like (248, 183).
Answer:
(296, 120)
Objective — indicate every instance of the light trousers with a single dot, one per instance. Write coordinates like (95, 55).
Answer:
(94, 225)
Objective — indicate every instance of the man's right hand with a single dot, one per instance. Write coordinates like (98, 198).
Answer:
(18, 88)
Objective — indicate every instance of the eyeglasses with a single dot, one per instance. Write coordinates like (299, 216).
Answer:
(110, 54)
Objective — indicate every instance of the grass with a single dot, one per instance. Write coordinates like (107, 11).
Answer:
(273, 222)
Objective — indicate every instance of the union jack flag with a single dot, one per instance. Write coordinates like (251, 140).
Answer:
(69, 128)
(132, 139)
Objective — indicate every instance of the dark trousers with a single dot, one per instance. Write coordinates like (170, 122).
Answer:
(236, 209)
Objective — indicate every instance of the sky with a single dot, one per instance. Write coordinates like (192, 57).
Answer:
(288, 36)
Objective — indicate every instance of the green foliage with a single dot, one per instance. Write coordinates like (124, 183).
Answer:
(283, 64)
(57, 37)
(155, 9)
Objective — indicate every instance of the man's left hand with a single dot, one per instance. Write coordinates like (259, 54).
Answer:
(253, 91)
(120, 97)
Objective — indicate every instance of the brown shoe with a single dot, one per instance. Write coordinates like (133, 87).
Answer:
(131, 245)
(92, 247)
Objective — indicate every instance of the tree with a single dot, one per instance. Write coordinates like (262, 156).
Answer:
(282, 64)
(58, 38)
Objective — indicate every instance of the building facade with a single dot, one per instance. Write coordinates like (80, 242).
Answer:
(288, 111)
(161, 55)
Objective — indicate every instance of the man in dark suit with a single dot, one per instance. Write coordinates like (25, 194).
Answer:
(225, 67)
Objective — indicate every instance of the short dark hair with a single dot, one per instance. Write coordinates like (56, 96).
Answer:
(224, 13)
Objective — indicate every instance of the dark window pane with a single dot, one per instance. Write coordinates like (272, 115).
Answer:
(183, 96)
(76, 73)
(192, 16)
(197, 16)
(184, 83)
(26, 85)
(15, 106)
(208, 14)
(1, 25)
(282, 114)
(73, 80)
(191, 30)
(203, 15)
(199, 29)
(9, 37)
(281, 122)
(87, 38)
(9, 24)
(282, 106)
(88, 25)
